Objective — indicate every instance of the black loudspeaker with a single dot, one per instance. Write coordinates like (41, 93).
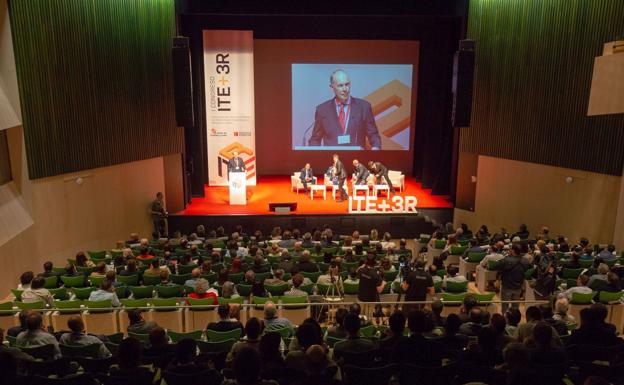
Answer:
(182, 86)
(283, 207)
(463, 72)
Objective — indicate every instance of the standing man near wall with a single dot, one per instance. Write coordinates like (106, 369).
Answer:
(512, 269)
(159, 215)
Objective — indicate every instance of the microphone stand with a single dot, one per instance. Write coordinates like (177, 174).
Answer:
(304, 142)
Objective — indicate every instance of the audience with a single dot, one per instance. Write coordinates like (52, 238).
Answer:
(253, 331)
(35, 335)
(354, 342)
(137, 324)
(105, 292)
(37, 293)
(272, 321)
(78, 337)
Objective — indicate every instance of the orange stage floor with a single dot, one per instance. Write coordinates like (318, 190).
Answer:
(277, 189)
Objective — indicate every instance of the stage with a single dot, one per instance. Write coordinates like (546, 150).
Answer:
(214, 210)
(270, 189)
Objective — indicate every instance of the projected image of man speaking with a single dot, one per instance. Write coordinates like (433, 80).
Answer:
(344, 120)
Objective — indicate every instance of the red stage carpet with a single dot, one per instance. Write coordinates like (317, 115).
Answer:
(277, 189)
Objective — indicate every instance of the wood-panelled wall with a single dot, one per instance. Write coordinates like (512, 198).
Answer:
(534, 62)
(95, 81)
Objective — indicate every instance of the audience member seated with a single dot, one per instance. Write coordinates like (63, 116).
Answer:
(154, 269)
(228, 290)
(562, 306)
(581, 287)
(253, 330)
(512, 318)
(48, 270)
(159, 350)
(78, 337)
(203, 290)
(308, 333)
(305, 265)
(105, 292)
(416, 349)
(594, 330)
(272, 361)
(524, 331)
(195, 275)
(297, 281)
(100, 270)
(225, 323)
(354, 343)
(272, 321)
(164, 278)
(286, 263)
(613, 283)
(451, 339)
(15, 353)
(277, 278)
(484, 352)
(547, 316)
(25, 280)
(543, 353)
(598, 281)
(260, 265)
(393, 335)
(517, 365)
(129, 363)
(35, 335)
(353, 278)
(436, 313)
(356, 309)
(473, 248)
(468, 303)
(247, 368)
(473, 327)
(37, 293)
(131, 268)
(22, 316)
(184, 359)
(82, 261)
(498, 325)
(317, 368)
(137, 324)
(338, 330)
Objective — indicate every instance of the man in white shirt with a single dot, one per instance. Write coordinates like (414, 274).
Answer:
(453, 276)
(580, 288)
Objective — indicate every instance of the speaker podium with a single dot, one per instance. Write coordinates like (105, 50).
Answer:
(238, 188)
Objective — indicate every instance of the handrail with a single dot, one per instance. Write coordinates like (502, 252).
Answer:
(283, 305)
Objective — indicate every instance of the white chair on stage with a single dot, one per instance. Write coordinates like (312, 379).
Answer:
(398, 179)
(295, 182)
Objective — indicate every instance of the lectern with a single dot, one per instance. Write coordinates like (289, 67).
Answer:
(238, 188)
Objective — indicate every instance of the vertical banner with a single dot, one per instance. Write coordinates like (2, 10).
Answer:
(229, 90)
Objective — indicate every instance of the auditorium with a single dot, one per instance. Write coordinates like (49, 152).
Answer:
(398, 192)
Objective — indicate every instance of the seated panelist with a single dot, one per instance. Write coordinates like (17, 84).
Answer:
(307, 176)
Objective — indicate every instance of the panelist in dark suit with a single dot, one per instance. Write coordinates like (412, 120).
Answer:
(307, 176)
(379, 170)
(236, 164)
(344, 120)
(341, 174)
(361, 173)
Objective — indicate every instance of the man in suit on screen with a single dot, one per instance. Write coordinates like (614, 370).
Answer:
(344, 120)
(341, 174)
(236, 164)
(379, 170)
(307, 176)
(360, 174)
